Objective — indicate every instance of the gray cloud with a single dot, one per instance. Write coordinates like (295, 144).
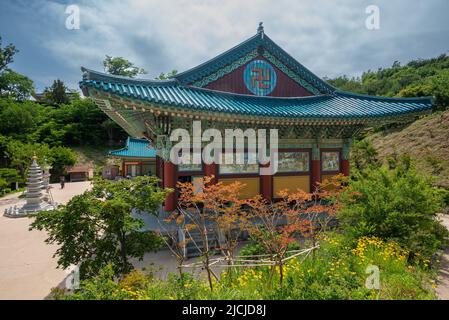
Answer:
(329, 37)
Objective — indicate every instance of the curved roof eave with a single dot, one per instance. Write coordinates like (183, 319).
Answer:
(89, 74)
(340, 105)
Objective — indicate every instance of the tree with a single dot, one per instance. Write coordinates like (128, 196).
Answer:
(19, 154)
(99, 227)
(15, 85)
(119, 66)
(278, 225)
(216, 208)
(6, 55)
(423, 77)
(394, 204)
(435, 85)
(109, 126)
(3, 185)
(61, 157)
(165, 76)
(58, 93)
(12, 84)
(364, 155)
(17, 119)
(9, 175)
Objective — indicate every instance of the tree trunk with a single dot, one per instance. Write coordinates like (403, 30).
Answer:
(209, 275)
(281, 272)
(123, 253)
(180, 262)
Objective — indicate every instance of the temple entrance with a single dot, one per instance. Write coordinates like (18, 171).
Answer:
(132, 170)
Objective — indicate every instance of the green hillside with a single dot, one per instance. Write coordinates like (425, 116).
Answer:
(429, 77)
(425, 140)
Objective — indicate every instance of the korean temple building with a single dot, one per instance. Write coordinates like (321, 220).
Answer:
(255, 84)
(138, 158)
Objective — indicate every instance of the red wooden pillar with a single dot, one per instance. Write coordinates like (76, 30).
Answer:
(123, 169)
(170, 179)
(315, 177)
(211, 170)
(158, 167)
(266, 185)
(345, 167)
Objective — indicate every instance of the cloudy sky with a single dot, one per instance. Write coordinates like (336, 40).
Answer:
(328, 36)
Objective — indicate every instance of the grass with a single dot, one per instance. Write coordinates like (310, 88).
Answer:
(426, 140)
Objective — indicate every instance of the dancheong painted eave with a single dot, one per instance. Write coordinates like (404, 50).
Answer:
(170, 93)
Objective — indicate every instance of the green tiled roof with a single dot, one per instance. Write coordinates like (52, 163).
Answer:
(135, 148)
(184, 90)
(337, 105)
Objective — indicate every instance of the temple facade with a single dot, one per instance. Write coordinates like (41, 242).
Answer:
(258, 85)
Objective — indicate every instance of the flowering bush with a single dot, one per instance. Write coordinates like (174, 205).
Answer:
(336, 271)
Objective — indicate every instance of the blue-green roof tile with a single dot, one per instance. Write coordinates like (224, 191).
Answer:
(135, 148)
(339, 104)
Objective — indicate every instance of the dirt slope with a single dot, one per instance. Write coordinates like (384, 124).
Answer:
(426, 140)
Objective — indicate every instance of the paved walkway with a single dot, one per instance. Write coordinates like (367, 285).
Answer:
(27, 267)
(443, 278)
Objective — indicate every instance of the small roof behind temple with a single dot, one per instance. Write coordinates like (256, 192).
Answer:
(135, 148)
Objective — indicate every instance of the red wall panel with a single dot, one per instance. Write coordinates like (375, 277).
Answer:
(233, 82)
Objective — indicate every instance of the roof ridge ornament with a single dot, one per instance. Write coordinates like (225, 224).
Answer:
(260, 29)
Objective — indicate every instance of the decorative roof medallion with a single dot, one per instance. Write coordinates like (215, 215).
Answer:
(260, 77)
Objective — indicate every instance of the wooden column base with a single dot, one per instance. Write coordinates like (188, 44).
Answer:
(266, 186)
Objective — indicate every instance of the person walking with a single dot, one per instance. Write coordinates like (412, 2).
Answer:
(62, 181)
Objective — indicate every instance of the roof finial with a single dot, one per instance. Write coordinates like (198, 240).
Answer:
(260, 28)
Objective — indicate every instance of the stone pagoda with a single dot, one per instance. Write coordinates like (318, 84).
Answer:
(35, 201)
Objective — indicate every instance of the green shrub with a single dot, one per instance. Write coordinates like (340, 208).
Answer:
(253, 249)
(363, 155)
(445, 197)
(3, 185)
(395, 204)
